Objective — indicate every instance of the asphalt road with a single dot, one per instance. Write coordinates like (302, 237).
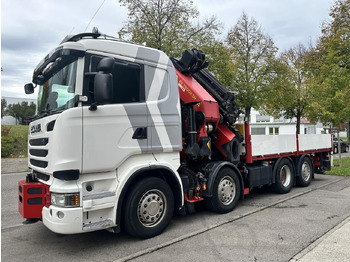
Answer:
(264, 227)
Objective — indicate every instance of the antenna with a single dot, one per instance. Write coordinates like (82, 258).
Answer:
(98, 9)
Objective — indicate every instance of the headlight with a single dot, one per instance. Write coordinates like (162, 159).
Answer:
(65, 200)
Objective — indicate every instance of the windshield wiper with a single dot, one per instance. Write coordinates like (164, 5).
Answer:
(47, 112)
(42, 114)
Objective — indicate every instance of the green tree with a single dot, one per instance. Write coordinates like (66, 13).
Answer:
(330, 67)
(219, 64)
(288, 92)
(3, 107)
(21, 110)
(251, 51)
(165, 25)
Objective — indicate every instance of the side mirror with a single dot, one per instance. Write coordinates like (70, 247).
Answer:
(103, 88)
(103, 82)
(29, 89)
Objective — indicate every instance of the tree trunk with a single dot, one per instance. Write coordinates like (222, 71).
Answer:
(339, 148)
(247, 112)
(298, 124)
(348, 127)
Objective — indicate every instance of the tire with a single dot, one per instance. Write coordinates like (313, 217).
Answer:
(335, 150)
(284, 176)
(226, 192)
(148, 208)
(346, 149)
(305, 171)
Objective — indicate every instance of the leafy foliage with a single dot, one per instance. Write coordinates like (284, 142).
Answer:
(6, 141)
(330, 67)
(166, 25)
(3, 107)
(288, 93)
(251, 51)
(169, 26)
(21, 110)
(14, 140)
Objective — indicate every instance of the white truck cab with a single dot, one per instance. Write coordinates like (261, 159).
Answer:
(87, 143)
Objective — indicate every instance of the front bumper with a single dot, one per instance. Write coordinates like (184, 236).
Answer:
(70, 223)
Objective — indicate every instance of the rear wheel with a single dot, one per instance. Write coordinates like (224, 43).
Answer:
(226, 192)
(148, 208)
(284, 177)
(305, 172)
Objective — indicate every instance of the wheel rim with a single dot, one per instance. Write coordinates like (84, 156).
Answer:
(152, 207)
(305, 171)
(226, 190)
(285, 175)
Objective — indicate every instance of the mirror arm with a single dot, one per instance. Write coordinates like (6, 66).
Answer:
(93, 107)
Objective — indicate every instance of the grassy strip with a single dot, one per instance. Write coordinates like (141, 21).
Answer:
(14, 141)
(340, 171)
(345, 139)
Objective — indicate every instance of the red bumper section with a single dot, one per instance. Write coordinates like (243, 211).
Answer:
(32, 197)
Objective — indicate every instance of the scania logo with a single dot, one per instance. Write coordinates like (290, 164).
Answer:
(35, 129)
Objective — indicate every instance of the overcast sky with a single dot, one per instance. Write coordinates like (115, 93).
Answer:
(32, 28)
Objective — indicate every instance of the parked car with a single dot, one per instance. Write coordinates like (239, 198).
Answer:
(343, 145)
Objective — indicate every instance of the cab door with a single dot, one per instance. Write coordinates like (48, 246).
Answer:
(115, 131)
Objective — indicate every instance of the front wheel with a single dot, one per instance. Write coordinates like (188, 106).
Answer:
(284, 177)
(148, 208)
(226, 192)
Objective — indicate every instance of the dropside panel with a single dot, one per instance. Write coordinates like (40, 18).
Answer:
(263, 145)
(315, 142)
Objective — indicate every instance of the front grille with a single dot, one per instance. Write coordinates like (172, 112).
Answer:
(38, 152)
(38, 163)
(39, 142)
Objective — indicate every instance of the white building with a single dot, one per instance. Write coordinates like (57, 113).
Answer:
(267, 125)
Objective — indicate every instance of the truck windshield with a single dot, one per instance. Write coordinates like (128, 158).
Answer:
(57, 93)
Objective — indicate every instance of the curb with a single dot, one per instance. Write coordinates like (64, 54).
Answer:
(318, 241)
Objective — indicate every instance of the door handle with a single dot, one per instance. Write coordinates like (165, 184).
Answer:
(140, 133)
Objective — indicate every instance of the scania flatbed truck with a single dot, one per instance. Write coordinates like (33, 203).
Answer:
(125, 136)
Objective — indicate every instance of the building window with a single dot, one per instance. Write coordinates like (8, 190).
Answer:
(274, 130)
(262, 118)
(258, 131)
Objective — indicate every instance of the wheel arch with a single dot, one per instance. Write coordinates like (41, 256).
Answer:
(162, 172)
(212, 169)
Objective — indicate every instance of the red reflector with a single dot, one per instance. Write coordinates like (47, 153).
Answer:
(32, 198)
